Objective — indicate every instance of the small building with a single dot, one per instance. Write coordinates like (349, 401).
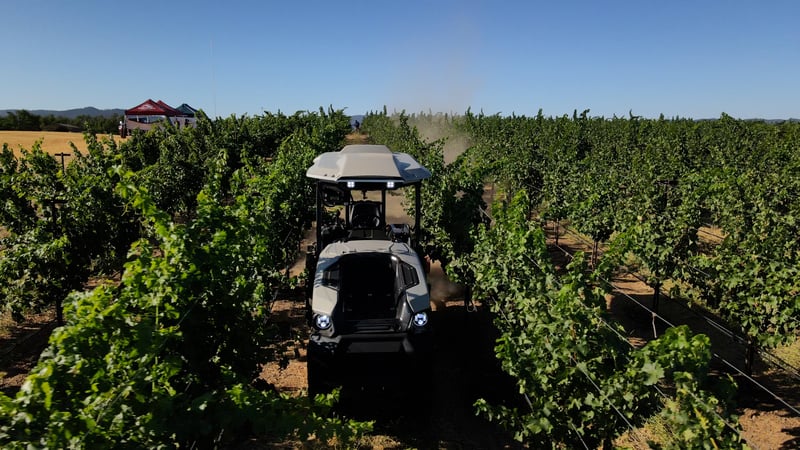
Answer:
(149, 113)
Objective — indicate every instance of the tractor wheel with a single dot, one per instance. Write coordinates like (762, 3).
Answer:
(317, 381)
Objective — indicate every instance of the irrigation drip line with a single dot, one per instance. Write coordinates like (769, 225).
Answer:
(714, 324)
(580, 436)
(716, 236)
(701, 271)
(716, 355)
(622, 338)
(655, 386)
(654, 315)
(603, 395)
(725, 421)
(608, 325)
(783, 365)
(759, 385)
(777, 361)
(605, 398)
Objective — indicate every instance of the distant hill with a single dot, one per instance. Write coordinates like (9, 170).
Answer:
(776, 121)
(71, 113)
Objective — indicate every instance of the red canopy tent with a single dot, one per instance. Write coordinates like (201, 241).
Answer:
(151, 108)
(148, 113)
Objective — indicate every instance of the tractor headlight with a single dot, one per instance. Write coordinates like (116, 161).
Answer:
(420, 319)
(322, 321)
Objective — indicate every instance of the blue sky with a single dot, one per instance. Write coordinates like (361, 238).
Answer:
(693, 59)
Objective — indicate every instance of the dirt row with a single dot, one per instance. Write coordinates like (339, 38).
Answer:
(20, 347)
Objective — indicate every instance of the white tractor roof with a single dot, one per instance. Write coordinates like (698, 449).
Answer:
(367, 163)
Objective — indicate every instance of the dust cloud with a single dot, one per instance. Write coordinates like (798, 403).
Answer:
(455, 142)
(436, 74)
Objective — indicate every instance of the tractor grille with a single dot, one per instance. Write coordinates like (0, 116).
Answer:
(368, 287)
(372, 326)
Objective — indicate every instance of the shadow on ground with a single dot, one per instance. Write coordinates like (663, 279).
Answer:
(434, 408)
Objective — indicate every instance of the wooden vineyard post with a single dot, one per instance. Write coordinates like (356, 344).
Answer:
(555, 230)
(749, 356)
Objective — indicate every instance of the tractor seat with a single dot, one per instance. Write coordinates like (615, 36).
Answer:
(366, 215)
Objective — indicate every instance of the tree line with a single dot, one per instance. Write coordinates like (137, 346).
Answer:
(24, 120)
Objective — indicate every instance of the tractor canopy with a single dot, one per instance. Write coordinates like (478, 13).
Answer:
(367, 167)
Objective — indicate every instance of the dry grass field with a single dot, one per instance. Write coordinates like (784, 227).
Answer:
(52, 141)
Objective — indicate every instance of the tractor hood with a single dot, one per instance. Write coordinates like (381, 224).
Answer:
(406, 264)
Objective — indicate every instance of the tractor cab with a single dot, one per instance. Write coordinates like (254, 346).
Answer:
(344, 180)
(368, 292)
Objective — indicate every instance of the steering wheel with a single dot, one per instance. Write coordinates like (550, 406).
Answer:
(366, 221)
